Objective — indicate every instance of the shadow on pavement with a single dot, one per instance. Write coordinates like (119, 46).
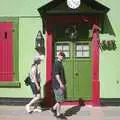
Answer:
(62, 117)
(73, 110)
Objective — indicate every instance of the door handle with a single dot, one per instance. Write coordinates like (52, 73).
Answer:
(76, 74)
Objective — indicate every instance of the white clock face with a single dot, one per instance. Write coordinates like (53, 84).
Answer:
(73, 3)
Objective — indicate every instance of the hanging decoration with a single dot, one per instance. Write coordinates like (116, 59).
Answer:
(107, 42)
(71, 32)
(108, 45)
(39, 40)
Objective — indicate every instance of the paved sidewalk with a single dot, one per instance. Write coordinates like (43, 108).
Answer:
(71, 113)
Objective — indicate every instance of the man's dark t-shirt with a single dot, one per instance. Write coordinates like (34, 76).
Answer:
(58, 69)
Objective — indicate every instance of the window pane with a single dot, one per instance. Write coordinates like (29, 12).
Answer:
(78, 54)
(66, 47)
(67, 54)
(85, 47)
(59, 47)
(79, 47)
(86, 54)
(82, 50)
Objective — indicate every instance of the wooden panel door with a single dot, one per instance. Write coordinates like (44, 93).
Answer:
(77, 67)
(82, 71)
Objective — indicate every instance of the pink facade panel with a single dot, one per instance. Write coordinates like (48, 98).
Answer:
(6, 52)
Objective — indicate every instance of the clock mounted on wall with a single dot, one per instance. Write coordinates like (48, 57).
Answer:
(73, 4)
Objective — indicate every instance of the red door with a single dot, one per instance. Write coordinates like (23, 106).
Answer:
(6, 52)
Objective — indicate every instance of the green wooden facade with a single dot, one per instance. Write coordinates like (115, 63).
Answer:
(28, 22)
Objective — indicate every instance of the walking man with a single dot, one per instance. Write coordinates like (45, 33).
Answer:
(58, 84)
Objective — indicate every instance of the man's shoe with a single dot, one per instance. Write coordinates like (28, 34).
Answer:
(53, 111)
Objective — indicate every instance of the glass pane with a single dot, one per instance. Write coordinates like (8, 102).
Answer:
(79, 54)
(85, 47)
(78, 47)
(65, 47)
(67, 54)
(59, 47)
(82, 50)
(86, 54)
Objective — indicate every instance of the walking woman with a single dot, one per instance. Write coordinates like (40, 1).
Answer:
(35, 85)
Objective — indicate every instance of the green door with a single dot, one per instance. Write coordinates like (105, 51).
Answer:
(77, 66)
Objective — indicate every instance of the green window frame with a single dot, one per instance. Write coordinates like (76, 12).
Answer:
(15, 82)
(82, 50)
(65, 47)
